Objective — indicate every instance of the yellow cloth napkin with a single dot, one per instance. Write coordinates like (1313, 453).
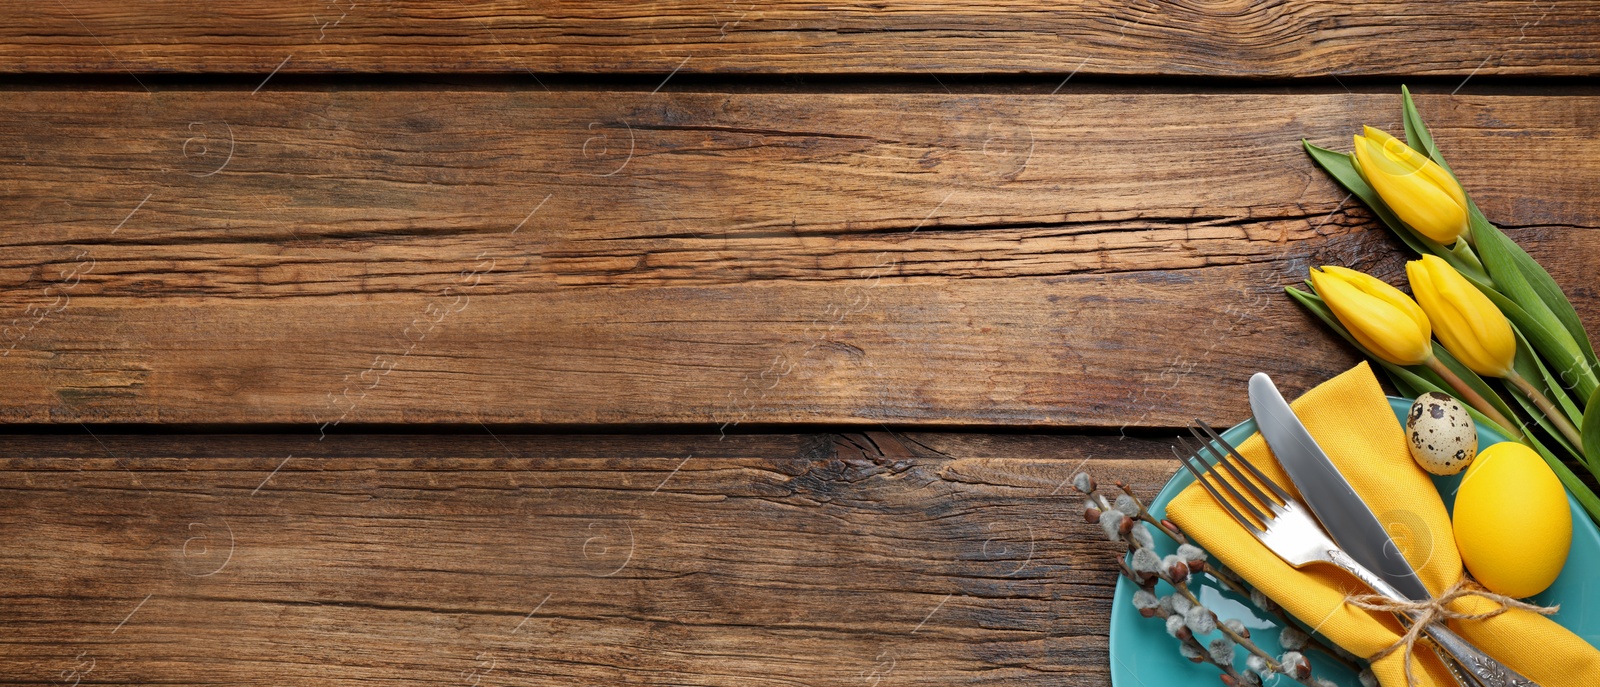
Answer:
(1350, 418)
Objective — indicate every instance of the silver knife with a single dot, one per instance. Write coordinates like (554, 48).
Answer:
(1347, 518)
(1353, 527)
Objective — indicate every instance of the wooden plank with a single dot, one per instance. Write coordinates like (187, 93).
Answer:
(517, 559)
(1293, 39)
(574, 258)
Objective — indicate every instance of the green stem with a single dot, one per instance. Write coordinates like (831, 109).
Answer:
(1463, 250)
(1466, 393)
(1554, 414)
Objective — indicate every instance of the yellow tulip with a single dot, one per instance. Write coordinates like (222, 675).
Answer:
(1381, 317)
(1466, 321)
(1421, 192)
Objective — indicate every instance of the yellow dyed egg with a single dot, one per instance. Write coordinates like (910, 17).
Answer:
(1511, 520)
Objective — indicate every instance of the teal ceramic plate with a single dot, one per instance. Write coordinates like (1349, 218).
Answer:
(1142, 655)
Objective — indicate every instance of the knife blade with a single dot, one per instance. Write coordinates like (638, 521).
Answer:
(1344, 515)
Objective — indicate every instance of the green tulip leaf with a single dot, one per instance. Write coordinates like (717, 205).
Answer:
(1402, 388)
(1547, 343)
(1409, 384)
(1526, 364)
(1498, 252)
(1417, 135)
(1537, 289)
(1478, 275)
(1554, 389)
(1540, 293)
(1556, 300)
(1590, 431)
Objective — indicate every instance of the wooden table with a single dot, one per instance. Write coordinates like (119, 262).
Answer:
(676, 343)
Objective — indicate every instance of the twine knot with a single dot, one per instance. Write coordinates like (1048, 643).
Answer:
(1437, 609)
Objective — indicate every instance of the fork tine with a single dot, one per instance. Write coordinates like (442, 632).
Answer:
(1182, 458)
(1282, 495)
(1212, 470)
(1222, 459)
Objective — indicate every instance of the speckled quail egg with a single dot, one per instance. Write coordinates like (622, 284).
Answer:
(1441, 434)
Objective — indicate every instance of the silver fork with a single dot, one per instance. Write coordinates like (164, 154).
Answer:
(1288, 529)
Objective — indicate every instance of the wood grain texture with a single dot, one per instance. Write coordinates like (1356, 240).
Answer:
(448, 560)
(328, 257)
(1294, 39)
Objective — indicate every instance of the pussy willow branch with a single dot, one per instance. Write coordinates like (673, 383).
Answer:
(1148, 582)
(1242, 588)
(1237, 638)
(1205, 657)
(1171, 532)
(1238, 586)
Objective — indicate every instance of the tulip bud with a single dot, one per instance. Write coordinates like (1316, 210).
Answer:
(1466, 321)
(1417, 189)
(1382, 318)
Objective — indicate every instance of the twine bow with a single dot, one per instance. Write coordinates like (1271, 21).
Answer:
(1437, 609)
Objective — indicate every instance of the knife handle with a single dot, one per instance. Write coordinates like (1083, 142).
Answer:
(1484, 668)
